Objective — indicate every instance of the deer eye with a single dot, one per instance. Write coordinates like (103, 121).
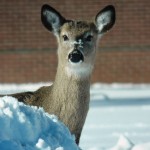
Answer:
(65, 38)
(89, 38)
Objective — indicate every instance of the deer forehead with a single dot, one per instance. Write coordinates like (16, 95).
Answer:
(78, 28)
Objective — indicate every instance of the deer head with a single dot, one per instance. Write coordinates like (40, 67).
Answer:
(77, 39)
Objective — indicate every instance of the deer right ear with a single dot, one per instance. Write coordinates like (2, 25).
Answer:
(105, 19)
(51, 19)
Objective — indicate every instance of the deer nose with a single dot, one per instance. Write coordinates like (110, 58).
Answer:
(76, 56)
(76, 46)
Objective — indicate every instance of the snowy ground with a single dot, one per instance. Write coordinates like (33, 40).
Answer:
(115, 110)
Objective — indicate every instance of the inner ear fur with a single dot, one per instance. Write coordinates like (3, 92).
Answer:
(51, 18)
(105, 19)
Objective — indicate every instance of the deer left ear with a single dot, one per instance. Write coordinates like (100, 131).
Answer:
(105, 19)
(51, 18)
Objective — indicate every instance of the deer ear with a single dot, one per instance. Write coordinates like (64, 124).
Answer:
(105, 19)
(51, 19)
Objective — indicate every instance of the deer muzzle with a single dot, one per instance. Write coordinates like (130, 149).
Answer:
(76, 57)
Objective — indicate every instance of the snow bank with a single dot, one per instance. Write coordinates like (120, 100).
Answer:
(29, 128)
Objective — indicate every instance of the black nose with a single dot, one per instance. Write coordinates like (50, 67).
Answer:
(76, 56)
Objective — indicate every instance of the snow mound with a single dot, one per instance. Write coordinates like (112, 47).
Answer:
(125, 144)
(30, 128)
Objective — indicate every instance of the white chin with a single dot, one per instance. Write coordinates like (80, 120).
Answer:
(78, 70)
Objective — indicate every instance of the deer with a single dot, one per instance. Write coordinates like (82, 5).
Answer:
(69, 96)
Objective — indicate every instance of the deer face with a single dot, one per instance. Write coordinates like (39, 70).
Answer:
(77, 39)
(77, 42)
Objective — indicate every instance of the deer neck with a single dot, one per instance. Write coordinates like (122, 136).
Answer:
(71, 97)
(69, 87)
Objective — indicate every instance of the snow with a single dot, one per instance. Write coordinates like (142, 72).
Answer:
(6, 88)
(118, 112)
(30, 128)
(120, 91)
(123, 144)
(145, 146)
